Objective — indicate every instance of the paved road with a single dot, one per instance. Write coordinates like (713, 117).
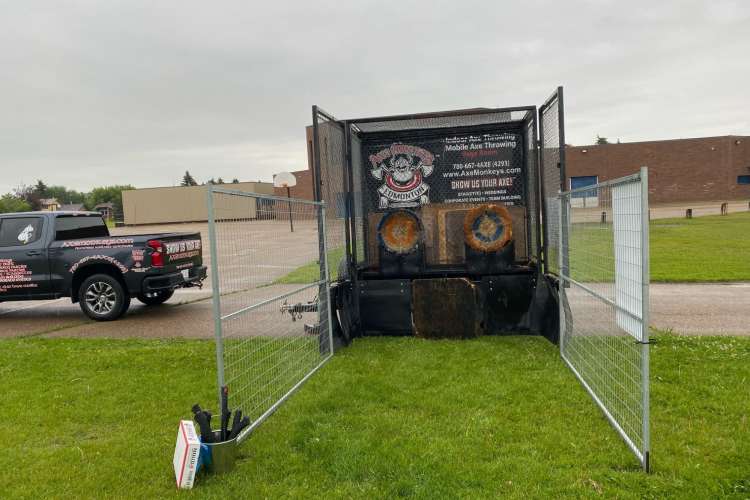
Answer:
(253, 255)
(187, 314)
(696, 309)
(702, 309)
(61, 317)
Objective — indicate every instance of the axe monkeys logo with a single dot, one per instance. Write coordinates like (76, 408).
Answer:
(402, 168)
(26, 235)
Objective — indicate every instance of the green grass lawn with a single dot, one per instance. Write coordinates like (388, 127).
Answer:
(713, 248)
(386, 417)
(310, 273)
(704, 249)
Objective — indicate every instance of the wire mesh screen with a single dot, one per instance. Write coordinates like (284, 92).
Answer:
(270, 291)
(440, 167)
(533, 187)
(604, 301)
(475, 117)
(331, 175)
(552, 167)
(357, 207)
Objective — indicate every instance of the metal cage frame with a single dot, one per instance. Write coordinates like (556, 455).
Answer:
(532, 183)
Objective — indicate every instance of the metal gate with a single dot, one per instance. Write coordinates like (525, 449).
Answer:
(552, 176)
(604, 298)
(271, 304)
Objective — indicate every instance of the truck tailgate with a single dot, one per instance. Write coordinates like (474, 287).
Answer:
(182, 251)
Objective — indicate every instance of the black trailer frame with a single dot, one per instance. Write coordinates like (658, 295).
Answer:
(377, 294)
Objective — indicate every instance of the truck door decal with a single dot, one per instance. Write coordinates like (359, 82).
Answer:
(26, 235)
(105, 258)
(14, 276)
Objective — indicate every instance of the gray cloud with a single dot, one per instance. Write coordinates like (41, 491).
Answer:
(138, 92)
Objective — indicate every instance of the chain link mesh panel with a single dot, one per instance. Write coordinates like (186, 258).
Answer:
(332, 181)
(533, 187)
(552, 167)
(357, 202)
(604, 301)
(270, 290)
(440, 120)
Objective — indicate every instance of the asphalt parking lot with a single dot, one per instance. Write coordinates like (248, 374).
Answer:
(253, 255)
(256, 253)
(695, 309)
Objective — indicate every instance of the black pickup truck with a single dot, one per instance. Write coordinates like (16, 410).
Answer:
(48, 255)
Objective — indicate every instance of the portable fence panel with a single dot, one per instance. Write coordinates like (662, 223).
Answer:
(604, 302)
(270, 289)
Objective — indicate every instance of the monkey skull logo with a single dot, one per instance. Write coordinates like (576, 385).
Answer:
(403, 169)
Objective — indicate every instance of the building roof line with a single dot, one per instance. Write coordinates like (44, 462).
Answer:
(199, 185)
(660, 140)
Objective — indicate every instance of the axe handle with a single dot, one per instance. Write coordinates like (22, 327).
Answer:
(235, 424)
(224, 412)
(206, 434)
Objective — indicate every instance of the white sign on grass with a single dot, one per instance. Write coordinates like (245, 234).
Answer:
(186, 453)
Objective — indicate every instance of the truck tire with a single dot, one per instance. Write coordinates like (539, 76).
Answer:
(102, 298)
(155, 298)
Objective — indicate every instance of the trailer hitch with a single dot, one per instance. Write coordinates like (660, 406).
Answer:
(296, 310)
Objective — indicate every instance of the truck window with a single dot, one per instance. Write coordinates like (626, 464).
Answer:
(75, 227)
(20, 231)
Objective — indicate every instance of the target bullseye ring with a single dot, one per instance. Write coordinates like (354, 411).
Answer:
(400, 231)
(488, 228)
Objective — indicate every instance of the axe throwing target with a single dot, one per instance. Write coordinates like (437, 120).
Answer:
(400, 232)
(488, 228)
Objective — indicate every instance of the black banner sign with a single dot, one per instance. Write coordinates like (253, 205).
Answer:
(463, 168)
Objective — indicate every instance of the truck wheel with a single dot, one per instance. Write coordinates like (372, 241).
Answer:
(102, 298)
(155, 298)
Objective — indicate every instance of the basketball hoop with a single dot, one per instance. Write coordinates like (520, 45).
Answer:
(284, 180)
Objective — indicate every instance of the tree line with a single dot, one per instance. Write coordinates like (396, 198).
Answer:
(28, 198)
(189, 180)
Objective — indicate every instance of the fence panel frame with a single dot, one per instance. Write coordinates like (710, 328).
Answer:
(642, 453)
(554, 104)
(323, 284)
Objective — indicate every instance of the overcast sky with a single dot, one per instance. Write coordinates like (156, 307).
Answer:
(137, 92)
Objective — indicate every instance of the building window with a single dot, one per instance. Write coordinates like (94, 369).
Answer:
(581, 182)
(582, 197)
(743, 179)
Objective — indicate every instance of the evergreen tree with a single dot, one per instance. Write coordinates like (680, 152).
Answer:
(188, 180)
(40, 189)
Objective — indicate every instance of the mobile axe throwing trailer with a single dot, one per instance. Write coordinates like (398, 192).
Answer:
(443, 221)
(441, 225)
